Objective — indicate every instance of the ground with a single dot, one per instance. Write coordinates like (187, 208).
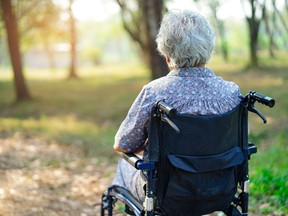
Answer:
(42, 178)
(39, 178)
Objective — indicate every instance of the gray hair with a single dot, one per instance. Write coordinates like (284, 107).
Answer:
(186, 38)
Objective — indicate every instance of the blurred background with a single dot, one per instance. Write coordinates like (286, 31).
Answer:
(70, 70)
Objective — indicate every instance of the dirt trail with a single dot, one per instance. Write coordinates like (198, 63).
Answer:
(44, 178)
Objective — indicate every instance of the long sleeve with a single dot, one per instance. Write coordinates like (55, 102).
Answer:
(132, 133)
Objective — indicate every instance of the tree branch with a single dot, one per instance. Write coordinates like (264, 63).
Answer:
(279, 15)
(134, 34)
(26, 10)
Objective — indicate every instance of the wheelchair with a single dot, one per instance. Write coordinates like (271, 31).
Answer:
(195, 164)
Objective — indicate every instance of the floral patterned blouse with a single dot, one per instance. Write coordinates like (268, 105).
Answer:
(190, 90)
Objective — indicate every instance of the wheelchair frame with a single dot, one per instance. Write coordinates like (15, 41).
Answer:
(239, 205)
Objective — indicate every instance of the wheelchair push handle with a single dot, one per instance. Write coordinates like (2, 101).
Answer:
(166, 108)
(268, 101)
(167, 111)
(254, 96)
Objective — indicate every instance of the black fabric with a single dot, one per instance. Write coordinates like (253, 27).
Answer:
(199, 167)
(153, 137)
(201, 164)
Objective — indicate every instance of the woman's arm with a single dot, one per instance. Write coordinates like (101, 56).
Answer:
(119, 149)
(132, 133)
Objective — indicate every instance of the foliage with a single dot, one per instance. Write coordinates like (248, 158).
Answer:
(104, 43)
(40, 23)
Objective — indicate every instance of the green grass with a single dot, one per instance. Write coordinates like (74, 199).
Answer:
(268, 171)
(84, 112)
(88, 111)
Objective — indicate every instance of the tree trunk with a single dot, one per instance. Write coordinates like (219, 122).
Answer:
(50, 54)
(152, 15)
(21, 89)
(73, 42)
(142, 26)
(214, 7)
(253, 32)
(223, 39)
(253, 24)
(282, 19)
(269, 32)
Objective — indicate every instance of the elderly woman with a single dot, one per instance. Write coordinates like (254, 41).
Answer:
(186, 40)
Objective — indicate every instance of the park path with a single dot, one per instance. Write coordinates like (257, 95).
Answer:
(38, 177)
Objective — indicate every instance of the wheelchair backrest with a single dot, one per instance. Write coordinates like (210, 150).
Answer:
(199, 167)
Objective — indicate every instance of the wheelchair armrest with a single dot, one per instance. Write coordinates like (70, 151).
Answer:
(138, 163)
(132, 159)
(252, 149)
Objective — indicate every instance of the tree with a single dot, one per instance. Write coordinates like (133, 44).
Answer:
(269, 30)
(142, 20)
(253, 20)
(275, 26)
(10, 22)
(282, 19)
(282, 27)
(39, 23)
(73, 42)
(220, 27)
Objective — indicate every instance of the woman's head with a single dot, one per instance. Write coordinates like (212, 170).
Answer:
(186, 38)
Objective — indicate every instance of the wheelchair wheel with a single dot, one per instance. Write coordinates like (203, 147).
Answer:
(110, 206)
